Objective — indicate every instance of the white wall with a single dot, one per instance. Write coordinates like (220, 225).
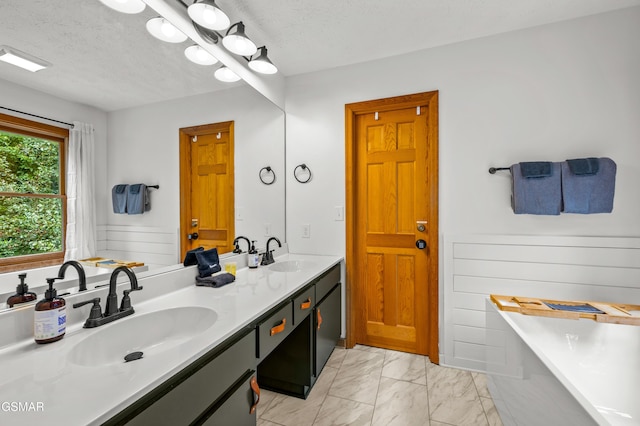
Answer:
(34, 102)
(553, 92)
(565, 90)
(144, 148)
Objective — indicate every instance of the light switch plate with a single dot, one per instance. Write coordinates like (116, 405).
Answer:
(267, 229)
(338, 213)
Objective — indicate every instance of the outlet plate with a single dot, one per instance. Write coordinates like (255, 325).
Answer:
(306, 231)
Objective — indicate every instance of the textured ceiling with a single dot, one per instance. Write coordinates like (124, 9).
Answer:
(108, 60)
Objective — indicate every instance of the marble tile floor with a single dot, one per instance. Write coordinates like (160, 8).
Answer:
(372, 386)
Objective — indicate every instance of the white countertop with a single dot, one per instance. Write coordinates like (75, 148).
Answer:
(73, 394)
(598, 363)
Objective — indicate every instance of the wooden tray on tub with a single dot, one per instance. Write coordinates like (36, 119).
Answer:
(103, 262)
(615, 313)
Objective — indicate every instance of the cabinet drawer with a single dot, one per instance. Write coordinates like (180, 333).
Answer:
(303, 305)
(206, 380)
(273, 330)
(326, 282)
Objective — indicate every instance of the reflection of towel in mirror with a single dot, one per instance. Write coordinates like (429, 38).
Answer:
(589, 193)
(208, 262)
(119, 198)
(536, 195)
(190, 256)
(136, 198)
(216, 280)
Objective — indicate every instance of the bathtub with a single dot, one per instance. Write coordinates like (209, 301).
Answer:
(548, 371)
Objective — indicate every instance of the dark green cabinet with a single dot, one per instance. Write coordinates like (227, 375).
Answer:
(208, 388)
(327, 327)
(294, 365)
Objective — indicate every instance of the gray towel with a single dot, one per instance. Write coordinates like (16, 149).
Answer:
(119, 198)
(215, 280)
(589, 193)
(536, 195)
(137, 198)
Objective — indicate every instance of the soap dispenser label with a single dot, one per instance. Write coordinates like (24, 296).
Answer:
(49, 324)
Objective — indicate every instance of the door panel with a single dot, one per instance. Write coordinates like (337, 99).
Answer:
(394, 177)
(207, 185)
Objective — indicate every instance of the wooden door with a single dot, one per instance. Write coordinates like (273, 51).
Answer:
(392, 252)
(206, 187)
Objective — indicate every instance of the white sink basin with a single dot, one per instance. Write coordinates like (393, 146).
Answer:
(150, 334)
(291, 265)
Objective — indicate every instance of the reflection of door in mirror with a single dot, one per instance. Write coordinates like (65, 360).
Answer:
(206, 187)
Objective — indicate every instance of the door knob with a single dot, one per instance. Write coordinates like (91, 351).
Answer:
(421, 244)
(192, 236)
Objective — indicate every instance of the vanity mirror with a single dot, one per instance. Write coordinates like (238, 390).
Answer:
(142, 91)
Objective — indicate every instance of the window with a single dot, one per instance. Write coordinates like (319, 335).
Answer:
(32, 194)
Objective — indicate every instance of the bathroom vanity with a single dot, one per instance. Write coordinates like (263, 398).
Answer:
(206, 351)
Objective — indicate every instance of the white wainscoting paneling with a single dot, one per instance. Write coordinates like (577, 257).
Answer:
(155, 246)
(555, 267)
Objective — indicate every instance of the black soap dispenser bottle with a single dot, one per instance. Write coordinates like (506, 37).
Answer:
(50, 320)
(23, 295)
(253, 258)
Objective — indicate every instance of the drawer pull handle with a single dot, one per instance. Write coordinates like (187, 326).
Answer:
(256, 394)
(306, 305)
(278, 328)
(319, 319)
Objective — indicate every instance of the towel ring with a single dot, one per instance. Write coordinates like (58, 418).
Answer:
(267, 170)
(303, 167)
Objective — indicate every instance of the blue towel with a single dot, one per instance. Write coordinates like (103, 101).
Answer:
(208, 262)
(536, 195)
(119, 198)
(536, 169)
(190, 256)
(587, 194)
(137, 198)
(584, 166)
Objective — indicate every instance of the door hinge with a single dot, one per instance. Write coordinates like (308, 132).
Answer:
(418, 110)
(375, 115)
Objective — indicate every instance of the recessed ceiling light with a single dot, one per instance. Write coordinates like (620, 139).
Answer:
(22, 59)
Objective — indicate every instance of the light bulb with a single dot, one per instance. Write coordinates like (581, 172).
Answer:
(209, 15)
(167, 29)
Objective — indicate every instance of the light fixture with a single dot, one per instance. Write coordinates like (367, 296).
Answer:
(21, 59)
(207, 14)
(226, 75)
(238, 42)
(164, 30)
(198, 55)
(262, 63)
(125, 6)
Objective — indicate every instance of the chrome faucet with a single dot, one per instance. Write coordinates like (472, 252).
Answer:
(82, 277)
(236, 243)
(111, 311)
(267, 259)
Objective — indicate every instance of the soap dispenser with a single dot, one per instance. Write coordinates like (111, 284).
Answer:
(50, 320)
(253, 258)
(23, 295)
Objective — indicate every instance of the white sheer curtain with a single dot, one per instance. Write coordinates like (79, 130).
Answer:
(81, 212)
